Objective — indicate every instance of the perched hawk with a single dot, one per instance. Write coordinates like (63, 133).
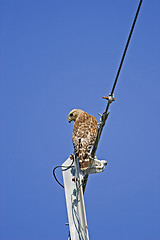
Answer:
(84, 135)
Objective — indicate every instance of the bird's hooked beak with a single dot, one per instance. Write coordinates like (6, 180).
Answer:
(69, 120)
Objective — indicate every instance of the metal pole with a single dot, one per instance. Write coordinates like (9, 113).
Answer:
(72, 179)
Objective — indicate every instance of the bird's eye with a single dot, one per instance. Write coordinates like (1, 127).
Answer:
(71, 115)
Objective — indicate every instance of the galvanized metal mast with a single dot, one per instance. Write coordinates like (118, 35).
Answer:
(73, 185)
(72, 179)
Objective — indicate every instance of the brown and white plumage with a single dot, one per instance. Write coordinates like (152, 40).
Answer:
(84, 135)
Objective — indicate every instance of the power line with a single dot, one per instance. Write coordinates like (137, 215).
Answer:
(106, 113)
(126, 47)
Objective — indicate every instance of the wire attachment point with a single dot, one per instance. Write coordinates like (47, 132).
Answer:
(110, 98)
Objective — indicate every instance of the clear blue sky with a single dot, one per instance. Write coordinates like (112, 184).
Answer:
(57, 55)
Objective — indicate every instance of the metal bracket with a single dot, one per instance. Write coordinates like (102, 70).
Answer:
(98, 166)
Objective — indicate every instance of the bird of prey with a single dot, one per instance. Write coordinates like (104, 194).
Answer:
(85, 130)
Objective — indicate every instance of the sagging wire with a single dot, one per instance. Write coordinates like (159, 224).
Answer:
(67, 167)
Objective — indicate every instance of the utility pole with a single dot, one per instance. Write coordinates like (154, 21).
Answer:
(73, 185)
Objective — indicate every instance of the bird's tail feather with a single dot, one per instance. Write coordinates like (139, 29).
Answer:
(84, 157)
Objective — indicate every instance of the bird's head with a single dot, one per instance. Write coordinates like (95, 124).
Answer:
(74, 114)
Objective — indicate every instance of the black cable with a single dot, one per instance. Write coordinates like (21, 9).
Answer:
(67, 167)
(113, 88)
(126, 47)
(56, 177)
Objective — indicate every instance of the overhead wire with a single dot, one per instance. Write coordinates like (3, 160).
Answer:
(105, 114)
(126, 47)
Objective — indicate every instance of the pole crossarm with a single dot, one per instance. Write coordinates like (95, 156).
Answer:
(110, 98)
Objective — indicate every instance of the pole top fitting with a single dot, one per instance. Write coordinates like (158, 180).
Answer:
(110, 98)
